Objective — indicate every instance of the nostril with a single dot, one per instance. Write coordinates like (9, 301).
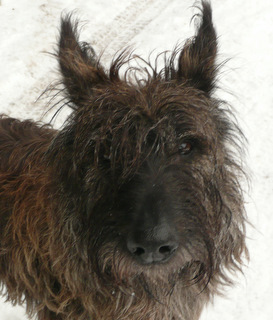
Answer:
(165, 249)
(135, 249)
(138, 251)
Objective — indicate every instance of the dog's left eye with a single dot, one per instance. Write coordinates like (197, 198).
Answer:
(185, 148)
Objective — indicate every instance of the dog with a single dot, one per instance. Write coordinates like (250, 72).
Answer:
(134, 208)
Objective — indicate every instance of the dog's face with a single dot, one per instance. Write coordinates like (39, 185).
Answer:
(146, 163)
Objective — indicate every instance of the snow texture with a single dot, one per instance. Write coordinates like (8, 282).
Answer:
(28, 31)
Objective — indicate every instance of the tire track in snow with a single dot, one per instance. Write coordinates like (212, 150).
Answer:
(110, 39)
(126, 25)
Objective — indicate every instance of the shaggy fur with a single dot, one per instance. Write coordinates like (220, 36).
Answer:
(133, 210)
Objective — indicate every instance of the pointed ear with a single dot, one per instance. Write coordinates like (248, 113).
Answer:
(196, 62)
(80, 70)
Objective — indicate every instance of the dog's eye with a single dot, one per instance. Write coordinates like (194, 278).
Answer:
(185, 148)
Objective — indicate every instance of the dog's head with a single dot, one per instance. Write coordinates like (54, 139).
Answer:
(146, 163)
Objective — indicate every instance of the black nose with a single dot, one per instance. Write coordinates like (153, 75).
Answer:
(152, 246)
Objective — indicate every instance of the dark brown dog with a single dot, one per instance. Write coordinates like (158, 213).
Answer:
(134, 209)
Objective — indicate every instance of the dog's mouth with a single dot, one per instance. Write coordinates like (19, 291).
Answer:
(157, 281)
(119, 267)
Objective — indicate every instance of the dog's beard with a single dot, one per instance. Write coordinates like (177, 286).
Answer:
(123, 273)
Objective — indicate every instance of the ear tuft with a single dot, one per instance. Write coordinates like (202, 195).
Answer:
(196, 64)
(77, 61)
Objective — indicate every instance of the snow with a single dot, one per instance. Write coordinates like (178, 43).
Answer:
(28, 29)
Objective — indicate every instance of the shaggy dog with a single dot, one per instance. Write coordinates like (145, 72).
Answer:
(133, 210)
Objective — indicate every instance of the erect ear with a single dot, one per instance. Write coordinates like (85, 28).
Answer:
(80, 70)
(196, 62)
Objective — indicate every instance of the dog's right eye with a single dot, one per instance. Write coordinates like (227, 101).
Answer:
(185, 148)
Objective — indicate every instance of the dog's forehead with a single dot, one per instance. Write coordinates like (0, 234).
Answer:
(179, 106)
(151, 112)
(157, 99)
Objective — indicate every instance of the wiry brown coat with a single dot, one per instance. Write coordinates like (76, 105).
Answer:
(68, 197)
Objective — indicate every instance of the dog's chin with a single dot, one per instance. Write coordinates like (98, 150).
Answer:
(181, 269)
(156, 281)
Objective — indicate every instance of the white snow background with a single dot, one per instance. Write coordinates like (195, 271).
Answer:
(29, 28)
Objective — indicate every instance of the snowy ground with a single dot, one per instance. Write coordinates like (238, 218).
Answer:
(28, 29)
